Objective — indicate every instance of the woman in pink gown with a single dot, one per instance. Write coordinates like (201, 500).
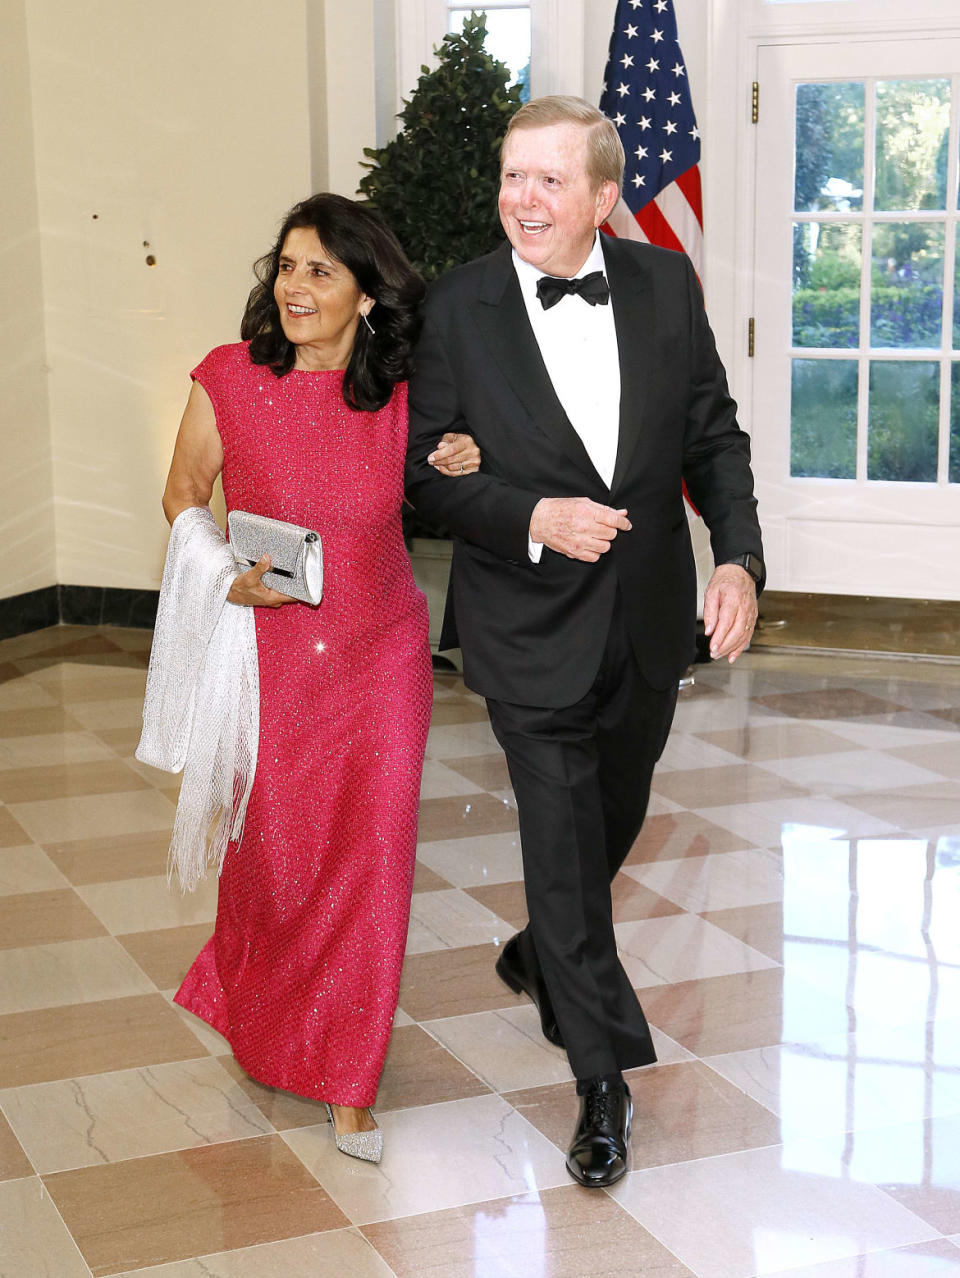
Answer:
(307, 422)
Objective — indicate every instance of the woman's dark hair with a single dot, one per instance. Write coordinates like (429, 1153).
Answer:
(359, 239)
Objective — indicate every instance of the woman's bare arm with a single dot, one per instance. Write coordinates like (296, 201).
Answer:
(197, 461)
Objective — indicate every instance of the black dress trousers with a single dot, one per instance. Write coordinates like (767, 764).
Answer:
(581, 775)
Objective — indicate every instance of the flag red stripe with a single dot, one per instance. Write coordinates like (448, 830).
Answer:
(656, 227)
(689, 184)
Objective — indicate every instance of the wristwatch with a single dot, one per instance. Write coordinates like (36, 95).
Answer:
(752, 563)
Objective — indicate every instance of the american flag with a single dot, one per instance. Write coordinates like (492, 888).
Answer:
(647, 96)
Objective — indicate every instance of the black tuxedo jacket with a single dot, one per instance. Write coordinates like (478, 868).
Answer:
(534, 634)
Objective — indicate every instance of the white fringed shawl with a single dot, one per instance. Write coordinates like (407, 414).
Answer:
(201, 713)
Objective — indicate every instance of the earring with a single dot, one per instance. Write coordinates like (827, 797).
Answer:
(366, 319)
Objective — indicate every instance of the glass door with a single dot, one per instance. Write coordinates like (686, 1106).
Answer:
(856, 423)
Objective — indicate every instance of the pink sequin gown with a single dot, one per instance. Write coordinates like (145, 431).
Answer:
(302, 972)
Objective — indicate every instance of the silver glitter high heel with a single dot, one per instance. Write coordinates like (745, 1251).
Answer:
(365, 1145)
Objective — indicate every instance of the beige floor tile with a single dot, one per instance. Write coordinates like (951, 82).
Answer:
(454, 740)
(769, 824)
(852, 772)
(759, 926)
(107, 858)
(28, 869)
(685, 752)
(69, 972)
(633, 901)
(827, 703)
(23, 694)
(941, 757)
(427, 880)
(340, 1252)
(879, 1076)
(166, 954)
(72, 683)
(418, 1070)
(734, 784)
(723, 1014)
(11, 832)
(558, 1233)
(719, 881)
(937, 1259)
(507, 900)
(36, 1243)
(453, 982)
(435, 1157)
(488, 770)
(64, 820)
(464, 816)
(13, 1161)
(458, 710)
(759, 743)
(475, 862)
(439, 920)
(43, 918)
(91, 1038)
(151, 1211)
(36, 721)
(505, 1048)
(52, 750)
(123, 740)
(681, 947)
(104, 1118)
(145, 904)
(440, 781)
(680, 1112)
(916, 1164)
(668, 836)
(119, 712)
(912, 808)
(763, 1210)
(67, 781)
(205, 1034)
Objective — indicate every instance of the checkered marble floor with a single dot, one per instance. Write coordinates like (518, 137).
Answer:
(790, 916)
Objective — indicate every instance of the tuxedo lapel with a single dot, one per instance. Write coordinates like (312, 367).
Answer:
(631, 296)
(501, 316)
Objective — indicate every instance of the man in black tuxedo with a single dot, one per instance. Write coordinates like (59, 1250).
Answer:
(585, 368)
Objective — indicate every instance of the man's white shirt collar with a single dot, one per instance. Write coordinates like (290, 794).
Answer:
(528, 275)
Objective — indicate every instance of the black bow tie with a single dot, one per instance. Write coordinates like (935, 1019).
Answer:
(593, 288)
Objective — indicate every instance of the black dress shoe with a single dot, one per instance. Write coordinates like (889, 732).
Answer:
(512, 972)
(599, 1152)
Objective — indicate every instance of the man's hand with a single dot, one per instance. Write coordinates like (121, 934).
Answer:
(248, 588)
(729, 611)
(577, 527)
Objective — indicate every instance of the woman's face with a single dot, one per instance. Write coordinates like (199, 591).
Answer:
(320, 301)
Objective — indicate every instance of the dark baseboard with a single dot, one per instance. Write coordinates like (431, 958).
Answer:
(77, 606)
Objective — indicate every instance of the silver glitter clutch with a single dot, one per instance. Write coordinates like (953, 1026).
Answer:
(296, 554)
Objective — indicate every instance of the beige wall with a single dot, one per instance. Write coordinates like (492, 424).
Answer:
(26, 477)
(185, 126)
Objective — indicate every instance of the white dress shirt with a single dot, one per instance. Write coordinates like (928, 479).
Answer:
(578, 343)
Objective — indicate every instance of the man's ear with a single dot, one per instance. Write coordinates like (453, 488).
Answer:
(607, 196)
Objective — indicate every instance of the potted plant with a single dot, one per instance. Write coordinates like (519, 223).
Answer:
(436, 186)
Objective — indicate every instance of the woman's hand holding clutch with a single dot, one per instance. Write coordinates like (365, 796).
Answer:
(248, 588)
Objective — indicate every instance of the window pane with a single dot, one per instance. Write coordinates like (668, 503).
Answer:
(913, 125)
(904, 403)
(823, 418)
(956, 299)
(826, 284)
(907, 289)
(508, 39)
(955, 426)
(828, 172)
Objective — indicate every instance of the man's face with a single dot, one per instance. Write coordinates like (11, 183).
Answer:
(548, 206)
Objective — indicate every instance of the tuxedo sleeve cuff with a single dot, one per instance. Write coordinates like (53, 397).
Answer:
(534, 549)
